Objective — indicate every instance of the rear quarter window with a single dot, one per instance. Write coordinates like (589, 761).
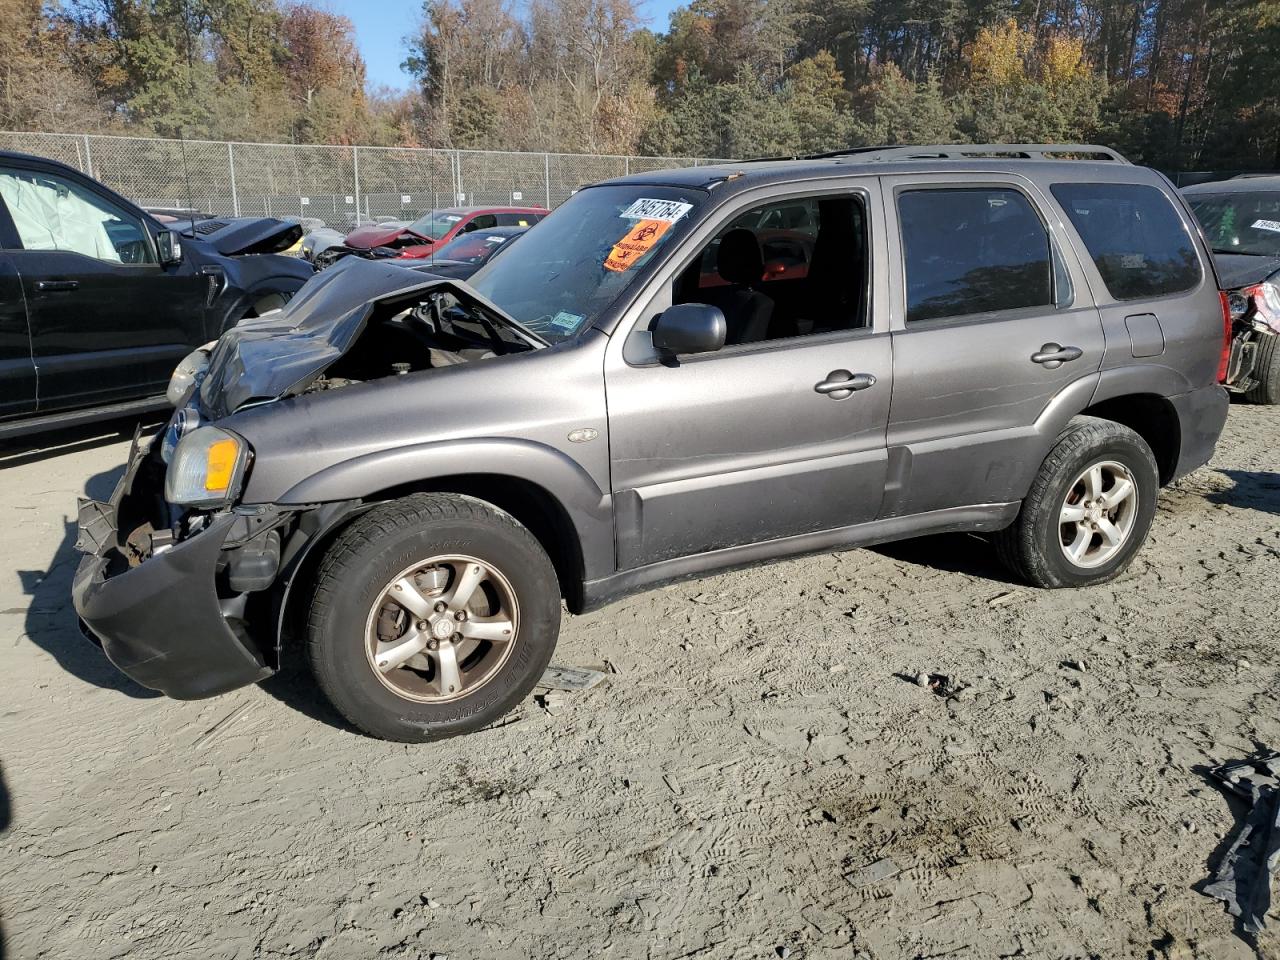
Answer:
(1136, 237)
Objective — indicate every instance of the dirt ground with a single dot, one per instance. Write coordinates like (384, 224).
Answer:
(759, 776)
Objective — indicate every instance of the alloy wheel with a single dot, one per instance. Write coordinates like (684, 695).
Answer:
(442, 628)
(1098, 514)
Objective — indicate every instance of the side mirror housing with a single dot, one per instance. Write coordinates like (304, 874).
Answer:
(690, 328)
(169, 245)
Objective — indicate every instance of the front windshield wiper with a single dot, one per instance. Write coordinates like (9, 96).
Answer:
(1246, 253)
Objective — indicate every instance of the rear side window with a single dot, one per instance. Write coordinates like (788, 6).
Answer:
(1134, 234)
(969, 251)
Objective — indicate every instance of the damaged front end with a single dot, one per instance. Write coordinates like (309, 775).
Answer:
(168, 591)
(182, 584)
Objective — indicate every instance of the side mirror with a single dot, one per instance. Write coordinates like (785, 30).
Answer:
(690, 328)
(169, 243)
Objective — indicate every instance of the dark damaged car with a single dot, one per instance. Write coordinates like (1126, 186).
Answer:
(401, 478)
(99, 300)
(1241, 218)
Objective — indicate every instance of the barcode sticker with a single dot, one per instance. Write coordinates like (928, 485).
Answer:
(666, 211)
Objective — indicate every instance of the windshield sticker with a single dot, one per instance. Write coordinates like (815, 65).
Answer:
(450, 219)
(1272, 225)
(566, 321)
(639, 240)
(668, 211)
(494, 239)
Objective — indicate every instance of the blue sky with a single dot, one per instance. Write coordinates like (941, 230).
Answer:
(382, 25)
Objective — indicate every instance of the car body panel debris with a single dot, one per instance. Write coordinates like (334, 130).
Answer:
(1243, 878)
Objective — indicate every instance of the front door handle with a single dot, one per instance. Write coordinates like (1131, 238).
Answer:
(841, 383)
(54, 286)
(1053, 356)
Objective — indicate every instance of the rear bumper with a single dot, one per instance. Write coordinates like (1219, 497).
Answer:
(1202, 415)
(162, 622)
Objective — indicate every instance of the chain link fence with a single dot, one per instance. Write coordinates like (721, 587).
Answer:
(342, 186)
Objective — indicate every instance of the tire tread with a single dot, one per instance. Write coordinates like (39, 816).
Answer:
(341, 560)
(1015, 545)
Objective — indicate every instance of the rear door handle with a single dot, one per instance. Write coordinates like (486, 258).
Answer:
(841, 383)
(1053, 356)
(54, 286)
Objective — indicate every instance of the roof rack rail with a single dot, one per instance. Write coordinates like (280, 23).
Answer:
(969, 151)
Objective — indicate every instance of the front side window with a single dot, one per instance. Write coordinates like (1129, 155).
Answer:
(1135, 237)
(1245, 223)
(586, 253)
(785, 269)
(54, 213)
(518, 219)
(970, 251)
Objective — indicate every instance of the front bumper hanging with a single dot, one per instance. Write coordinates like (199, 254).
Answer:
(161, 621)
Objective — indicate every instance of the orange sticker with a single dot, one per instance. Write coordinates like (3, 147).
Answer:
(638, 241)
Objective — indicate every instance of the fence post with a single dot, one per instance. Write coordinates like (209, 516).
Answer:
(546, 167)
(235, 195)
(88, 157)
(355, 159)
(457, 178)
(626, 166)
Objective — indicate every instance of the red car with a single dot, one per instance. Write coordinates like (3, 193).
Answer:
(437, 227)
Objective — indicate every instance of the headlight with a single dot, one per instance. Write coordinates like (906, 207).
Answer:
(185, 373)
(207, 468)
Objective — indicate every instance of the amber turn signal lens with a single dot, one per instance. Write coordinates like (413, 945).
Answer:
(221, 465)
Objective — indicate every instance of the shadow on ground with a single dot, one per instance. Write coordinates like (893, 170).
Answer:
(51, 620)
(1251, 490)
(6, 817)
(953, 552)
(55, 443)
(295, 688)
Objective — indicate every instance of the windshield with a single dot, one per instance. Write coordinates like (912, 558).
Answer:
(1247, 223)
(475, 247)
(557, 280)
(435, 224)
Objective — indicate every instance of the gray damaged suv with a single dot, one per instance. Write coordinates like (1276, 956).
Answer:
(676, 372)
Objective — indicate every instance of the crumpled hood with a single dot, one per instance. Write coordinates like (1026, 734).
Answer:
(237, 236)
(1238, 270)
(379, 235)
(269, 357)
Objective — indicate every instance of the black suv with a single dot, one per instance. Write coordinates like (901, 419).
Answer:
(99, 300)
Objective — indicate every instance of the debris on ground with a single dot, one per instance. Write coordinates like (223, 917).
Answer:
(939, 683)
(1009, 596)
(571, 679)
(1243, 878)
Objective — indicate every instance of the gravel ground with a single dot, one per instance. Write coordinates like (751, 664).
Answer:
(760, 776)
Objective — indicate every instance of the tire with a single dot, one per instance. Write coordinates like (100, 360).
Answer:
(354, 621)
(1266, 370)
(1033, 546)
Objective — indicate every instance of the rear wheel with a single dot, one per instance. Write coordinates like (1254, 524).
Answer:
(433, 616)
(1089, 508)
(1266, 370)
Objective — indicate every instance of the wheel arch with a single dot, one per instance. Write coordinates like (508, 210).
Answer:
(531, 503)
(1150, 416)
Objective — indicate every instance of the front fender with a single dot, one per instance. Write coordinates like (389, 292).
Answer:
(589, 509)
(250, 278)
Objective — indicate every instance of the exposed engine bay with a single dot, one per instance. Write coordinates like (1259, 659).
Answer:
(361, 321)
(439, 331)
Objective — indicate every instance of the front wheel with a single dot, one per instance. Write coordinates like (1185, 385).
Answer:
(1089, 509)
(432, 616)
